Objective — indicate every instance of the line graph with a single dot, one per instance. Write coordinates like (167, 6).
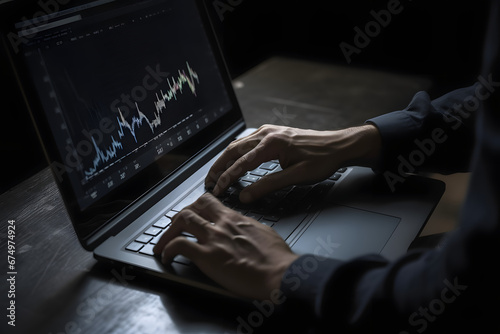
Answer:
(136, 122)
(176, 86)
(105, 156)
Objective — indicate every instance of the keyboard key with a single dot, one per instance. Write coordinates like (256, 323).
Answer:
(259, 172)
(342, 170)
(163, 222)
(144, 239)
(154, 231)
(188, 235)
(171, 214)
(298, 193)
(272, 218)
(293, 200)
(244, 206)
(250, 178)
(134, 246)
(147, 250)
(269, 166)
(270, 224)
(182, 259)
(230, 203)
(241, 184)
(335, 177)
(229, 192)
(156, 239)
(319, 192)
(254, 215)
(264, 205)
(191, 238)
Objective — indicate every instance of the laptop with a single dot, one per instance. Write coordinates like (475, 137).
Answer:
(133, 104)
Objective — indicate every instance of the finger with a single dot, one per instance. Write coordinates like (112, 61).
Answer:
(295, 174)
(234, 151)
(182, 246)
(185, 221)
(251, 160)
(210, 208)
(245, 163)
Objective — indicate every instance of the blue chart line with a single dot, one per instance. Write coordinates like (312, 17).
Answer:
(136, 123)
(105, 156)
(176, 86)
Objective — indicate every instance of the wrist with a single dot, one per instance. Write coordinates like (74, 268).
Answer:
(363, 146)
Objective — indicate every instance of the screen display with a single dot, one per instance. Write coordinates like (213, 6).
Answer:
(127, 88)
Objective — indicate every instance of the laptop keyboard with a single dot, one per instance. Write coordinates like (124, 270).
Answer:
(282, 210)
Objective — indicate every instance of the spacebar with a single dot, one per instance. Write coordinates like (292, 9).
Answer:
(191, 198)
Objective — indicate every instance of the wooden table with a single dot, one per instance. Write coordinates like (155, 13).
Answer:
(61, 288)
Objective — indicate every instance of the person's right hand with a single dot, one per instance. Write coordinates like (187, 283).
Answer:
(306, 157)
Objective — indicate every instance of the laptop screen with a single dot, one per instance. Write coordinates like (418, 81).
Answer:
(129, 91)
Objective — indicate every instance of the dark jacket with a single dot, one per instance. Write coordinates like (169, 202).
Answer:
(446, 290)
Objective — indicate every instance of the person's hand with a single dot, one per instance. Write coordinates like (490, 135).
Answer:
(241, 254)
(306, 157)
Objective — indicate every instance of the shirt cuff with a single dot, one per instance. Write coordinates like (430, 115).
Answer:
(398, 129)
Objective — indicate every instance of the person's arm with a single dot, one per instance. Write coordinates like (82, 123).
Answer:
(434, 136)
(452, 289)
(431, 135)
(445, 290)
(306, 157)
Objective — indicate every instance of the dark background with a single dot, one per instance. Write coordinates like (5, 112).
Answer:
(437, 39)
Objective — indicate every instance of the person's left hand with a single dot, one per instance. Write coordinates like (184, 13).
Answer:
(243, 255)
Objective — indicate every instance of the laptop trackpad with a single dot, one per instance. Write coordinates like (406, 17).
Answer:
(342, 233)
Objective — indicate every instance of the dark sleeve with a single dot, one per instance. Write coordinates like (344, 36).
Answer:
(433, 136)
(452, 289)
